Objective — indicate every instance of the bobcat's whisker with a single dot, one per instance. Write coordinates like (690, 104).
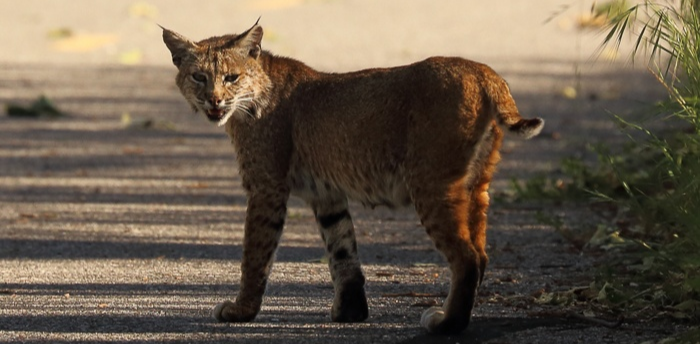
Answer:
(249, 95)
(245, 110)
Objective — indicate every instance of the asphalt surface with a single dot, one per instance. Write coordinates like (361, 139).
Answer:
(122, 221)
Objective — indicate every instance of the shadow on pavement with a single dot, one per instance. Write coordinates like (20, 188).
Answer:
(482, 330)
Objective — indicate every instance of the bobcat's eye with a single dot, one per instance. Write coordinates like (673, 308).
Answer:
(199, 77)
(231, 78)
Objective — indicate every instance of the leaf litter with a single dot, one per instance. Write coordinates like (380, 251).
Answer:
(42, 107)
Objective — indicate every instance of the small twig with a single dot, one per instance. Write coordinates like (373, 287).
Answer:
(597, 321)
(635, 296)
(555, 266)
(426, 304)
(413, 294)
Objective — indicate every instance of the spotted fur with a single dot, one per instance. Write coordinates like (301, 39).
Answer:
(425, 135)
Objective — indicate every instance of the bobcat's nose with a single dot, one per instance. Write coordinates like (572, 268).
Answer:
(215, 101)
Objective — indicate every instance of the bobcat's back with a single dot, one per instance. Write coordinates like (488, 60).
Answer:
(355, 131)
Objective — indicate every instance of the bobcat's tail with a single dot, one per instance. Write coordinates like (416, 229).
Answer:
(506, 112)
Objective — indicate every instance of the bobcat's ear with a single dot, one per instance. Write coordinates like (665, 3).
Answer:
(251, 39)
(178, 45)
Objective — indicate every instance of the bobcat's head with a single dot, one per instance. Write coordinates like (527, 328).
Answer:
(220, 76)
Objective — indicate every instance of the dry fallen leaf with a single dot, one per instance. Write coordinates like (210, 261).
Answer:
(269, 5)
(142, 9)
(82, 43)
(130, 150)
(59, 33)
(131, 57)
(198, 185)
(569, 92)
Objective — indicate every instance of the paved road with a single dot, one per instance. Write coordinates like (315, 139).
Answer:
(112, 233)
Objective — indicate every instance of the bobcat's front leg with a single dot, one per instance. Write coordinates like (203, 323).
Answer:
(263, 228)
(350, 303)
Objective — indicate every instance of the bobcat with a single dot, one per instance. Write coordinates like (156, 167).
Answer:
(425, 135)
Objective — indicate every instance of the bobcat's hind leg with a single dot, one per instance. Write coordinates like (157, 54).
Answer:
(444, 215)
(454, 215)
(350, 302)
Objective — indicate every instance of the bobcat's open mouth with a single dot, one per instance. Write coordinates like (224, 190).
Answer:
(215, 115)
(219, 115)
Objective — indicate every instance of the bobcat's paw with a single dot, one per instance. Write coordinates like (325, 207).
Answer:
(350, 306)
(228, 311)
(436, 322)
(431, 318)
